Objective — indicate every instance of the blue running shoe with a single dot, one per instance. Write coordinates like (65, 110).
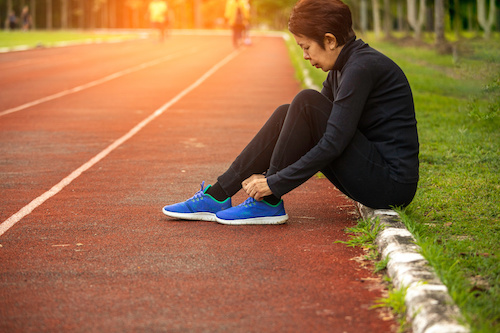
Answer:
(201, 207)
(253, 212)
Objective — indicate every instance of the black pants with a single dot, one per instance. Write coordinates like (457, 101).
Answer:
(360, 172)
(238, 30)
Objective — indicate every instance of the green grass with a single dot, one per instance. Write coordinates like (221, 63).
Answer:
(395, 300)
(10, 39)
(455, 214)
(364, 235)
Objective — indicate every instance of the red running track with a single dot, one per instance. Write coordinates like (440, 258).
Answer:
(95, 139)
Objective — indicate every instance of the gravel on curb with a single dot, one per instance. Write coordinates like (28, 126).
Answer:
(430, 309)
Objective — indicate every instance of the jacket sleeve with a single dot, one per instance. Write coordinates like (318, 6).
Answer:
(355, 85)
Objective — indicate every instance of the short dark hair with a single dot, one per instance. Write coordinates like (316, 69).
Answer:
(314, 18)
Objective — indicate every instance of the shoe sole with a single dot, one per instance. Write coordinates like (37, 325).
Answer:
(205, 216)
(256, 220)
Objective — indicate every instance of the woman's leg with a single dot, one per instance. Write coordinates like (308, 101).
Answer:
(360, 172)
(254, 159)
(363, 175)
(304, 126)
(289, 133)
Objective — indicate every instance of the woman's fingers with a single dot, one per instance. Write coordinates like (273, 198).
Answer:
(256, 187)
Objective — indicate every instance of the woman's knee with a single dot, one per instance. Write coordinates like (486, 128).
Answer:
(310, 99)
(279, 114)
(313, 106)
(308, 96)
(282, 109)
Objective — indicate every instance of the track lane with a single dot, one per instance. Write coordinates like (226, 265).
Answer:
(31, 75)
(43, 144)
(26, 210)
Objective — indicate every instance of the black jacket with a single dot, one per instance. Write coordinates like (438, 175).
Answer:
(370, 93)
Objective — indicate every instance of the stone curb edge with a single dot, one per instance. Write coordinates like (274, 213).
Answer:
(429, 306)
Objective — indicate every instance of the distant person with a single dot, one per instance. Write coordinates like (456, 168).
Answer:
(360, 131)
(158, 16)
(26, 18)
(237, 14)
(12, 21)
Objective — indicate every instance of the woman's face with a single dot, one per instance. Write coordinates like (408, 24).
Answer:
(319, 57)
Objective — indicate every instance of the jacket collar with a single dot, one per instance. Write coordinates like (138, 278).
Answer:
(350, 46)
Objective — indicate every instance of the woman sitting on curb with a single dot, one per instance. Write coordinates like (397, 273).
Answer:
(360, 131)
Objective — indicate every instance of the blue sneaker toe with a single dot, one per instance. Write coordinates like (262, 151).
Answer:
(253, 212)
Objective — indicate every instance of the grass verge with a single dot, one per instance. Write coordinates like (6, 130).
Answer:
(40, 38)
(455, 214)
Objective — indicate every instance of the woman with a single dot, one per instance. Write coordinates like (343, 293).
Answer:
(360, 131)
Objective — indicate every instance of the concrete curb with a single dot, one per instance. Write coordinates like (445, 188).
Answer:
(429, 306)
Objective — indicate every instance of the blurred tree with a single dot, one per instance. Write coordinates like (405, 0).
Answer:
(64, 14)
(363, 15)
(416, 22)
(439, 23)
(376, 18)
(135, 8)
(486, 23)
(273, 13)
(198, 20)
(33, 11)
(400, 15)
(387, 19)
(48, 14)
(397, 14)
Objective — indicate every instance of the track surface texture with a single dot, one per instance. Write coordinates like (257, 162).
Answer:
(96, 254)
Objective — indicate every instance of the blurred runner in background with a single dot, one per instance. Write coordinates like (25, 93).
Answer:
(11, 22)
(158, 15)
(26, 18)
(237, 15)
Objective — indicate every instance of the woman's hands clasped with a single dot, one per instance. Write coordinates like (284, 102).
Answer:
(256, 187)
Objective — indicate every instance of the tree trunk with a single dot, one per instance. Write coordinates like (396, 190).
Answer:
(64, 14)
(439, 22)
(470, 17)
(400, 13)
(363, 12)
(486, 24)
(92, 12)
(457, 24)
(376, 17)
(104, 14)
(81, 15)
(48, 15)
(416, 23)
(9, 8)
(112, 14)
(387, 19)
(197, 14)
(32, 13)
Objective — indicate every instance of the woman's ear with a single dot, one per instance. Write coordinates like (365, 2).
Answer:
(330, 41)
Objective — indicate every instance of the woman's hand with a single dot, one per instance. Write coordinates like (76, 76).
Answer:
(256, 187)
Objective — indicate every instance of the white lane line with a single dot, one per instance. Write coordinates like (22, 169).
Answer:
(94, 83)
(26, 210)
